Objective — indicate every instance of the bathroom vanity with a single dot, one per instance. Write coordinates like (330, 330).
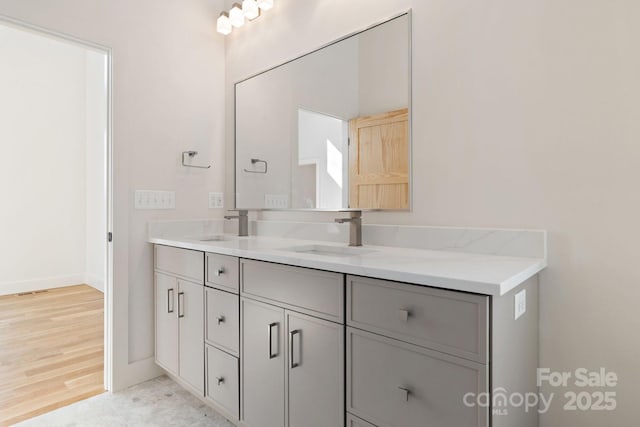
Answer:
(299, 332)
(283, 332)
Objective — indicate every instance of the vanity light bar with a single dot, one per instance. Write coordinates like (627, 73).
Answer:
(236, 16)
(224, 24)
(250, 9)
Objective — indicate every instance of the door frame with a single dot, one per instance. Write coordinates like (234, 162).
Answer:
(108, 288)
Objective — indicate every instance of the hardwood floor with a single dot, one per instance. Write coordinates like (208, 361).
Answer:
(51, 350)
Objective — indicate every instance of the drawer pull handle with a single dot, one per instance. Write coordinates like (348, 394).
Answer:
(220, 271)
(180, 304)
(221, 319)
(404, 315)
(405, 392)
(273, 355)
(170, 300)
(293, 334)
(220, 380)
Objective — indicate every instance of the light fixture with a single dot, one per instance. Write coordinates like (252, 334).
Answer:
(265, 4)
(236, 16)
(224, 24)
(250, 9)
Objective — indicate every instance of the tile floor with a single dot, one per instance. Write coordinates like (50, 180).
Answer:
(159, 402)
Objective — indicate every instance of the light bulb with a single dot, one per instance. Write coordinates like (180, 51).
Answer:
(265, 4)
(224, 24)
(236, 16)
(250, 9)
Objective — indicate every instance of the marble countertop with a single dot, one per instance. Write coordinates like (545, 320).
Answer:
(469, 272)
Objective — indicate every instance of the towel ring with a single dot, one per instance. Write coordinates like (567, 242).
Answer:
(254, 161)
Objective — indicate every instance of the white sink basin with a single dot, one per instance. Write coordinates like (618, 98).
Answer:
(334, 251)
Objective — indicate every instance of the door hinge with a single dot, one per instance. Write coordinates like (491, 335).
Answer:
(109, 237)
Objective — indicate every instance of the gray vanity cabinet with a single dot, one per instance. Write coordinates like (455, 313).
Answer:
(222, 334)
(179, 329)
(222, 380)
(353, 421)
(315, 370)
(191, 329)
(222, 328)
(179, 313)
(166, 288)
(395, 384)
(272, 345)
(292, 361)
(262, 364)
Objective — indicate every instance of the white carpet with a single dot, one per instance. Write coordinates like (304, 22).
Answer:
(159, 402)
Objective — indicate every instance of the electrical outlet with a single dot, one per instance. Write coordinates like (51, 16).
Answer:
(216, 200)
(150, 199)
(521, 303)
(276, 201)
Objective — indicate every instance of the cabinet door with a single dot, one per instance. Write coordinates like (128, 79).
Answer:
(315, 360)
(166, 291)
(263, 364)
(190, 306)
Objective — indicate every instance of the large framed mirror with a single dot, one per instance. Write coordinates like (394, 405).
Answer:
(330, 130)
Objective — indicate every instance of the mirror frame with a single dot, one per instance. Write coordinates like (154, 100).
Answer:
(408, 13)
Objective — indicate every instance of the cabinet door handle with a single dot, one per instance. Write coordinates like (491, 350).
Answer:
(221, 319)
(292, 335)
(220, 380)
(170, 300)
(405, 392)
(273, 355)
(180, 304)
(219, 271)
(404, 315)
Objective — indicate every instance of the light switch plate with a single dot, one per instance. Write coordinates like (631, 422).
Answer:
(216, 200)
(521, 303)
(151, 199)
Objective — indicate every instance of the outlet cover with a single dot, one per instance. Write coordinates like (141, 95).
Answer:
(521, 303)
(216, 200)
(276, 201)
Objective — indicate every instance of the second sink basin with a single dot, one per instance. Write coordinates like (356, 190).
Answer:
(327, 250)
(215, 238)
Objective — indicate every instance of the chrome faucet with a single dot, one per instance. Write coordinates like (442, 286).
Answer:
(243, 221)
(355, 227)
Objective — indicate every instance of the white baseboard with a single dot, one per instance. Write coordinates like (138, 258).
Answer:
(137, 372)
(96, 282)
(10, 288)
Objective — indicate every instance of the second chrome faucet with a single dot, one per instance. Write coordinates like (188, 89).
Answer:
(355, 227)
(243, 222)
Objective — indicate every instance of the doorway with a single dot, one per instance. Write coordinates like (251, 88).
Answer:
(56, 178)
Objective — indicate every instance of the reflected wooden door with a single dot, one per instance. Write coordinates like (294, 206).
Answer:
(379, 161)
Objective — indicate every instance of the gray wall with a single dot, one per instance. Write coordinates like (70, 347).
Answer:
(526, 114)
(168, 66)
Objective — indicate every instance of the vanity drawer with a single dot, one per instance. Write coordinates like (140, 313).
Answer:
(223, 379)
(452, 322)
(395, 384)
(180, 262)
(223, 272)
(353, 421)
(314, 292)
(222, 327)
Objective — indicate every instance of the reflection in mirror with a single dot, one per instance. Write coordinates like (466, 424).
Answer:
(331, 128)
